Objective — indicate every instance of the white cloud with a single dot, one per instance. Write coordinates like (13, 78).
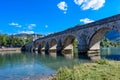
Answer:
(90, 4)
(65, 12)
(86, 20)
(27, 32)
(31, 26)
(94, 4)
(62, 6)
(46, 26)
(78, 2)
(15, 24)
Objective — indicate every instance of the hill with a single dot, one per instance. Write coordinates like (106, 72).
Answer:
(26, 36)
(115, 36)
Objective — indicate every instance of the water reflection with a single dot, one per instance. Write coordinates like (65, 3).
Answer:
(105, 53)
(110, 53)
(31, 66)
(19, 66)
(94, 56)
(53, 53)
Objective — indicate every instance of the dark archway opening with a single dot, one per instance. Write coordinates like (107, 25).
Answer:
(43, 47)
(47, 48)
(39, 49)
(36, 44)
(53, 45)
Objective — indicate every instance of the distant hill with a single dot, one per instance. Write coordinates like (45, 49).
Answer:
(28, 35)
(25, 36)
(113, 36)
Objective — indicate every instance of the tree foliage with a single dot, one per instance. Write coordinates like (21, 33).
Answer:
(107, 43)
(12, 41)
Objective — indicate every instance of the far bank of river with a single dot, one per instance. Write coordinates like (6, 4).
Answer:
(9, 50)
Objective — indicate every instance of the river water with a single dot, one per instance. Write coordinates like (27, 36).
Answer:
(31, 66)
(110, 53)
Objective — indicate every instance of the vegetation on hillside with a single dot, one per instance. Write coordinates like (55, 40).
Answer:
(101, 70)
(12, 41)
(28, 35)
(107, 43)
(75, 48)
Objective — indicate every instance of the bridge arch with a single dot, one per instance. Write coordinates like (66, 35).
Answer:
(43, 44)
(53, 44)
(32, 48)
(39, 48)
(36, 45)
(70, 45)
(94, 42)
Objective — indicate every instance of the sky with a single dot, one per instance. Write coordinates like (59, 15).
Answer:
(49, 16)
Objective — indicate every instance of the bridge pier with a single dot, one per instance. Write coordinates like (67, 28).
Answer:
(59, 48)
(47, 48)
(94, 54)
(39, 49)
(32, 49)
(23, 49)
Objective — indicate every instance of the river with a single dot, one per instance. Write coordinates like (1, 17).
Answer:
(110, 53)
(31, 66)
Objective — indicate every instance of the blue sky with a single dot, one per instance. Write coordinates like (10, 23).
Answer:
(48, 16)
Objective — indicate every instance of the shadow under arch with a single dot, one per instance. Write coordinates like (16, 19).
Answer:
(53, 45)
(59, 48)
(43, 44)
(36, 45)
(32, 49)
(70, 46)
(39, 48)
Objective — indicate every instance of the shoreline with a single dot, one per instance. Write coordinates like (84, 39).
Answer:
(10, 49)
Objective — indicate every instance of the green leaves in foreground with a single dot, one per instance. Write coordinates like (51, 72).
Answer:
(101, 70)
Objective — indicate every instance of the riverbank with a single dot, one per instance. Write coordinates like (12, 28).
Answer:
(9, 50)
(101, 70)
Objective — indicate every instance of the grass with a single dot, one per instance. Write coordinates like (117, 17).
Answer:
(100, 70)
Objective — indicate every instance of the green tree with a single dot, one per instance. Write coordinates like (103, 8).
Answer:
(3, 39)
(107, 43)
(12, 41)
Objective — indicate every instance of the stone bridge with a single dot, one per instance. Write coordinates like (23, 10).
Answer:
(87, 37)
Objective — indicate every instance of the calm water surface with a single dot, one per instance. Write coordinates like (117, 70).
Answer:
(31, 66)
(110, 53)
